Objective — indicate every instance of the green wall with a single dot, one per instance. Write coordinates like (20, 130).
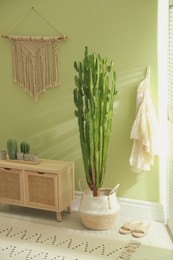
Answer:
(123, 31)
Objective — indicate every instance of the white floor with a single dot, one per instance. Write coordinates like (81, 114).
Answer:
(158, 235)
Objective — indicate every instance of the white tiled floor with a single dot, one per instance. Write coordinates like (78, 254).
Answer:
(158, 234)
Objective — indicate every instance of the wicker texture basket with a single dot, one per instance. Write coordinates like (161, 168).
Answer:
(98, 222)
(99, 213)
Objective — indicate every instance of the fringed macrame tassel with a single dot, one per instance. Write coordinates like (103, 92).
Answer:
(35, 64)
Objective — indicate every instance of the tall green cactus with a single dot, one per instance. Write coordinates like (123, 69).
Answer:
(93, 97)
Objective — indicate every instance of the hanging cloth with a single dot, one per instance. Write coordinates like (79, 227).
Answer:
(144, 130)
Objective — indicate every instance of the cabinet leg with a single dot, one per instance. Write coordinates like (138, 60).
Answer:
(69, 210)
(58, 216)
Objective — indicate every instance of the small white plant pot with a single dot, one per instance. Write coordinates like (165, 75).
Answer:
(27, 156)
(3, 155)
(34, 158)
(20, 156)
(99, 213)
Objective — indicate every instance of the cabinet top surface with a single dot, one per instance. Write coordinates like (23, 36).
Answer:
(44, 165)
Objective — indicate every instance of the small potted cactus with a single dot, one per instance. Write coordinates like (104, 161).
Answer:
(25, 149)
(12, 148)
(93, 98)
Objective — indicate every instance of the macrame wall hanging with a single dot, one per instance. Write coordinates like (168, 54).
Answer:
(35, 61)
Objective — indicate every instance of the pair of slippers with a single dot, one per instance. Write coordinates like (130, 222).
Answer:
(137, 228)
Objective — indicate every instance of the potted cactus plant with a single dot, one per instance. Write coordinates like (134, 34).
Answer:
(93, 98)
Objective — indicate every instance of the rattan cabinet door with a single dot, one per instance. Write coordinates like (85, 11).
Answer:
(41, 190)
(11, 186)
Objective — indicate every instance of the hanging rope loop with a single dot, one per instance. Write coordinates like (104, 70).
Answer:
(61, 37)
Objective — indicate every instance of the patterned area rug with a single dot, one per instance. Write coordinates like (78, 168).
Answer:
(22, 240)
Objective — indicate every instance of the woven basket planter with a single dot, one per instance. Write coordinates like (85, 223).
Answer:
(99, 213)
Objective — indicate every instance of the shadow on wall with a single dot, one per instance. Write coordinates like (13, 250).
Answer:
(130, 78)
(124, 114)
(127, 83)
(59, 142)
(57, 135)
(54, 133)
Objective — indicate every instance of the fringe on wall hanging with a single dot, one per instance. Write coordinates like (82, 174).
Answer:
(35, 62)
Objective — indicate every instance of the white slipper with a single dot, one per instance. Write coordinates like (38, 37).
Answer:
(129, 226)
(141, 230)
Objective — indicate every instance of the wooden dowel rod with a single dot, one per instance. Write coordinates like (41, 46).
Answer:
(4, 36)
(64, 37)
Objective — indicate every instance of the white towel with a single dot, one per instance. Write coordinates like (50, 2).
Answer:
(144, 130)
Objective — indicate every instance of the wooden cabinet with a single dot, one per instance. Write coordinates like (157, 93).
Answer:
(48, 185)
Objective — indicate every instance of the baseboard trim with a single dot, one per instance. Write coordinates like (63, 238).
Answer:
(133, 208)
